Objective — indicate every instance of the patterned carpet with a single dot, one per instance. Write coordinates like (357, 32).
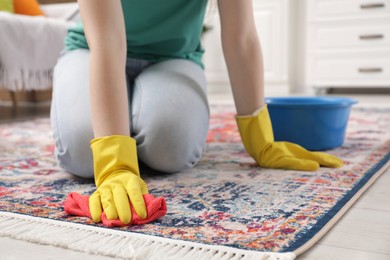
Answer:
(225, 200)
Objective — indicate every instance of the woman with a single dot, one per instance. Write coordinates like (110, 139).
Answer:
(131, 83)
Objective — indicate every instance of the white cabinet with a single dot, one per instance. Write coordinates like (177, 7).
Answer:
(347, 43)
(272, 21)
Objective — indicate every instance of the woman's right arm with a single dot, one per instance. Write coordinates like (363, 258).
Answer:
(106, 36)
(114, 152)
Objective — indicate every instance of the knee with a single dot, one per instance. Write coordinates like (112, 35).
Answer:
(171, 158)
(73, 153)
(74, 162)
(171, 149)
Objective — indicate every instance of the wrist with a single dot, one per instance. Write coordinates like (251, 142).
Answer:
(112, 154)
(254, 113)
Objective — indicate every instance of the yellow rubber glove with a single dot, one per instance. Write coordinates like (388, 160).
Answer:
(258, 139)
(117, 179)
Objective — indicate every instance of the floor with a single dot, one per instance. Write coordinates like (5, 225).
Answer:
(362, 234)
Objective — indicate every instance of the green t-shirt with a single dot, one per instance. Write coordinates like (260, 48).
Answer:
(156, 30)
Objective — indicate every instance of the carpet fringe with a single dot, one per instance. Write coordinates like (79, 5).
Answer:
(119, 244)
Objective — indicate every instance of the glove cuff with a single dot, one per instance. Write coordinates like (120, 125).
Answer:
(113, 153)
(255, 113)
(256, 131)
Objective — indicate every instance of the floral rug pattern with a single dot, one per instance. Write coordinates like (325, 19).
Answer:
(225, 200)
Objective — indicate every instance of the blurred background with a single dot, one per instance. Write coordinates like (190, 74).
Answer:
(310, 47)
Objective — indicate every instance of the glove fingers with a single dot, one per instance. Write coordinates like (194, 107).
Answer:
(297, 164)
(137, 199)
(144, 188)
(299, 152)
(323, 159)
(328, 160)
(95, 207)
(109, 204)
(122, 204)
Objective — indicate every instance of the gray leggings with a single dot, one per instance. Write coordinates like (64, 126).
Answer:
(168, 111)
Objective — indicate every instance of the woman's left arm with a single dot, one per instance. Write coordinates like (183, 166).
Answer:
(243, 56)
(244, 60)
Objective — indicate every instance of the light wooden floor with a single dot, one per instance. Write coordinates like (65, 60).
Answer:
(362, 234)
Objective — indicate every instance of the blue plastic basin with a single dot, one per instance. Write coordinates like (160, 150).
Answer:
(316, 123)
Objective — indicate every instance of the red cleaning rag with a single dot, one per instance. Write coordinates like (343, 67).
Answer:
(76, 204)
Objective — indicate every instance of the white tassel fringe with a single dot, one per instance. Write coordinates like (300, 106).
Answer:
(120, 244)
